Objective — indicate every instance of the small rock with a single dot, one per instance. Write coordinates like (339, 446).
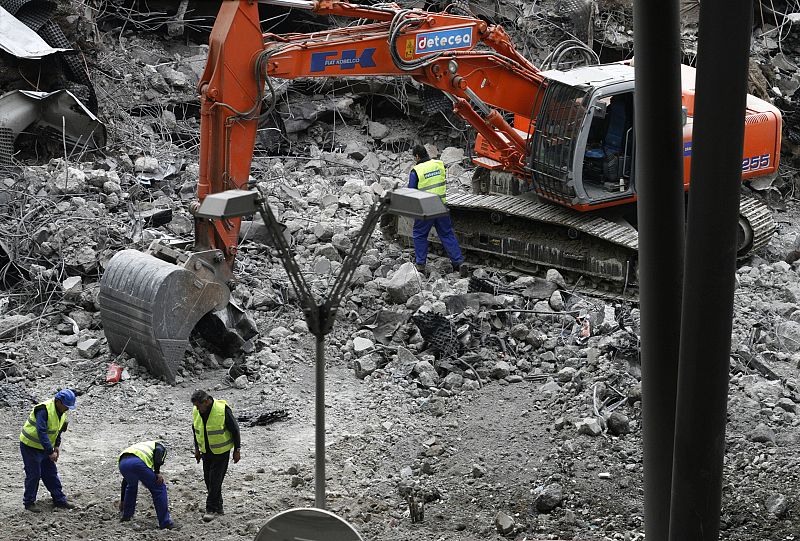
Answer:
(557, 301)
(72, 286)
(88, 349)
(362, 346)
(371, 162)
(279, 333)
(503, 522)
(762, 434)
(70, 340)
(377, 130)
(478, 471)
(240, 382)
(589, 426)
(549, 498)
(618, 423)
(500, 370)
(787, 404)
(451, 155)
(554, 276)
(566, 374)
(145, 164)
(364, 367)
(453, 381)
(777, 505)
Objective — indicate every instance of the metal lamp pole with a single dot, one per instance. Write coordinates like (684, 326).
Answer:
(320, 316)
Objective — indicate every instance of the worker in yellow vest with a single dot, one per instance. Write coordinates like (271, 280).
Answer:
(216, 432)
(429, 176)
(142, 463)
(40, 444)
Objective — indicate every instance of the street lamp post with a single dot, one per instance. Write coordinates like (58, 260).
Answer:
(321, 315)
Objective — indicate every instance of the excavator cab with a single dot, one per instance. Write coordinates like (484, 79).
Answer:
(582, 149)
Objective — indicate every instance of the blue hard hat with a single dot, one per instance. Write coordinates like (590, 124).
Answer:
(67, 397)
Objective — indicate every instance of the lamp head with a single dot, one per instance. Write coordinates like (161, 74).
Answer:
(228, 204)
(415, 204)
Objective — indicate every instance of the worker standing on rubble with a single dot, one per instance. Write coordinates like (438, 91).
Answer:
(216, 432)
(40, 443)
(142, 462)
(430, 176)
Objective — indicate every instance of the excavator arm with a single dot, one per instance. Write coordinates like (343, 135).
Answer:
(436, 49)
(150, 302)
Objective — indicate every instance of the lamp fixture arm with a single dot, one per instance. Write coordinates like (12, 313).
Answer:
(307, 300)
(350, 264)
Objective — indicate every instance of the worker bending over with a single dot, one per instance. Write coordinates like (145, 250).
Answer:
(142, 463)
(429, 176)
(216, 432)
(39, 443)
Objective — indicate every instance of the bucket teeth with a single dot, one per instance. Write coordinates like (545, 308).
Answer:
(149, 307)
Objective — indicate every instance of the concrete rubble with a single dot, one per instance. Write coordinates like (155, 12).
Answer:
(498, 423)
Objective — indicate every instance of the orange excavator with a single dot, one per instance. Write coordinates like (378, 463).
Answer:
(555, 182)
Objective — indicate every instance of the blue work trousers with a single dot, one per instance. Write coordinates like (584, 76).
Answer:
(134, 470)
(39, 466)
(444, 228)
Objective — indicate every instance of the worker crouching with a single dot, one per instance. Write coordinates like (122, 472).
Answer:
(142, 463)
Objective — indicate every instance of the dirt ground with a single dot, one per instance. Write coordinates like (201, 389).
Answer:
(487, 453)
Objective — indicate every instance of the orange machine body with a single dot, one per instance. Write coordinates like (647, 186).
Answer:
(436, 49)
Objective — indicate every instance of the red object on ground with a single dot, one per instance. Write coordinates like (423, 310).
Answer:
(114, 373)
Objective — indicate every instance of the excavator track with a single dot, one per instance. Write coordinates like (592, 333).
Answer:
(532, 235)
(757, 217)
(589, 245)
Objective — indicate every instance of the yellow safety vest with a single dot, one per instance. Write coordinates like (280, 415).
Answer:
(144, 450)
(431, 178)
(30, 435)
(220, 440)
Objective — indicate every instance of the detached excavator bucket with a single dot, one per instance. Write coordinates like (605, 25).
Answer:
(150, 302)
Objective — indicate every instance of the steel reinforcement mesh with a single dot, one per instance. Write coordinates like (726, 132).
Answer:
(6, 146)
(438, 332)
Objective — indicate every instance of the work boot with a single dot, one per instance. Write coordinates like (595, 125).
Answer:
(33, 508)
(420, 268)
(171, 526)
(209, 516)
(456, 266)
(124, 519)
(64, 505)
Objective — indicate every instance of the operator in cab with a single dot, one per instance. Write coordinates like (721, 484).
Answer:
(430, 176)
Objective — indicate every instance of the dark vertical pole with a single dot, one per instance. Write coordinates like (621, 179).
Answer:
(659, 183)
(718, 136)
(319, 441)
